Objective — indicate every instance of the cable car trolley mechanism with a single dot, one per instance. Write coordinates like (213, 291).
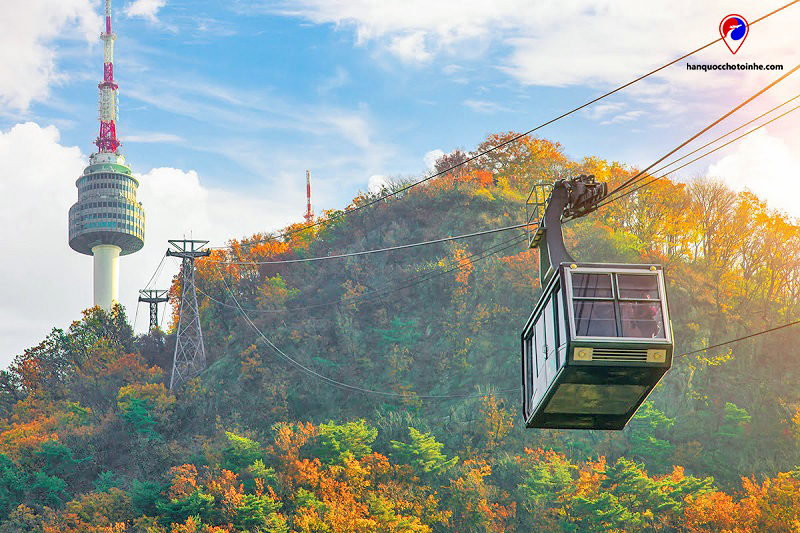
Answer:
(599, 338)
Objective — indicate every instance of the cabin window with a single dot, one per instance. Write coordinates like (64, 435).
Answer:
(551, 355)
(640, 306)
(562, 328)
(593, 305)
(617, 305)
(540, 342)
(530, 382)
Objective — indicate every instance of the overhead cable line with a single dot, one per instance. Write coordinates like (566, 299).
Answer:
(517, 226)
(638, 175)
(153, 277)
(656, 178)
(762, 115)
(136, 315)
(375, 251)
(326, 379)
(750, 336)
(355, 388)
(410, 282)
(157, 271)
(518, 136)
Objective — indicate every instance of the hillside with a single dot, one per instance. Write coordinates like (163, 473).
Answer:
(92, 441)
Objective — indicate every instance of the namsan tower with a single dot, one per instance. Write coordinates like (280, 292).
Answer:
(107, 221)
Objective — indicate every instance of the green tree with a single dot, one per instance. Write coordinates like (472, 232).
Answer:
(47, 490)
(424, 453)
(106, 481)
(258, 513)
(137, 413)
(197, 503)
(644, 434)
(144, 497)
(240, 452)
(12, 482)
(337, 442)
(734, 422)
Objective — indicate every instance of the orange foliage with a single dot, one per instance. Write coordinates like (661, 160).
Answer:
(474, 500)
(184, 481)
(108, 511)
(522, 270)
(290, 438)
(494, 422)
(465, 266)
(193, 525)
(25, 438)
(590, 478)
(715, 512)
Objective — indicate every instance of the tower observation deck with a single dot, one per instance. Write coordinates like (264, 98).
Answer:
(107, 221)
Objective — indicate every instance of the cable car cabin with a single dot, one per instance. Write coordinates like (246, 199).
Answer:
(597, 343)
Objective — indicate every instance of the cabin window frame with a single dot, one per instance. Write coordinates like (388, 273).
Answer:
(529, 376)
(570, 300)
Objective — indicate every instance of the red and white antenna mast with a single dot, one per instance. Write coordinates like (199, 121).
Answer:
(107, 141)
(309, 216)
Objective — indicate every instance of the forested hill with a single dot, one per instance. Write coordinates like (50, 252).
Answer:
(379, 392)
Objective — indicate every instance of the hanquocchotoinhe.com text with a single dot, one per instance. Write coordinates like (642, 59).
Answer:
(733, 66)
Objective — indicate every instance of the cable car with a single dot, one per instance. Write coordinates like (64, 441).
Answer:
(599, 338)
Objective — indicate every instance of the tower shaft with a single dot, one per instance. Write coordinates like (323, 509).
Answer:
(106, 275)
(190, 355)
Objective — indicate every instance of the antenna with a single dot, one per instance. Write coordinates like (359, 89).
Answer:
(309, 216)
(107, 102)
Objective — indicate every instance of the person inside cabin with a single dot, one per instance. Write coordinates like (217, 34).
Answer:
(641, 319)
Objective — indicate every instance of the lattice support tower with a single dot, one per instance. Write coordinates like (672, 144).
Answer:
(190, 354)
(153, 297)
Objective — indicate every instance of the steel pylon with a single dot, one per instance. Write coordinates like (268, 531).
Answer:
(153, 297)
(190, 354)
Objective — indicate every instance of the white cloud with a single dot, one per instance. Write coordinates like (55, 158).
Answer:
(29, 30)
(601, 111)
(340, 79)
(377, 182)
(41, 286)
(451, 70)
(227, 107)
(147, 9)
(600, 43)
(46, 284)
(410, 48)
(481, 106)
(152, 137)
(431, 158)
(624, 117)
(765, 165)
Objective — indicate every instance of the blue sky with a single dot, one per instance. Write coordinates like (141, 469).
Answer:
(225, 105)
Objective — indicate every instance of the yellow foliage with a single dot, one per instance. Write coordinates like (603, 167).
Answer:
(483, 194)
(163, 403)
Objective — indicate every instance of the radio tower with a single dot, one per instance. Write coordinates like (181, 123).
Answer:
(107, 221)
(309, 216)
